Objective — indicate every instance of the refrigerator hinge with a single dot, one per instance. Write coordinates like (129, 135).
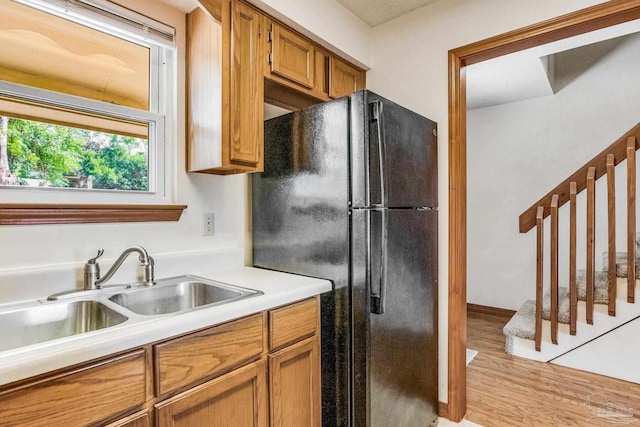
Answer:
(374, 111)
(376, 304)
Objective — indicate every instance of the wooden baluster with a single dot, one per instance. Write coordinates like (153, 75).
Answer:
(631, 219)
(539, 272)
(573, 291)
(554, 269)
(591, 241)
(611, 212)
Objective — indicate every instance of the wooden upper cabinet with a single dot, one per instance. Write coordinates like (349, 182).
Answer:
(292, 57)
(206, 40)
(226, 57)
(344, 78)
(237, 399)
(247, 86)
(238, 58)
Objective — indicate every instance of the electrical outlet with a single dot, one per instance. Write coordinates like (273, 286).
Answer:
(208, 224)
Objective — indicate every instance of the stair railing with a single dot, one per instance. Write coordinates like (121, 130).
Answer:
(624, 148)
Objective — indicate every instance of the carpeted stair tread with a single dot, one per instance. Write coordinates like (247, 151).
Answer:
(601, 294)
(621, 264)
(563, 306)
(523, 323)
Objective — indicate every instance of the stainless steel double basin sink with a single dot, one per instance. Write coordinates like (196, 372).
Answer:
(87, 311)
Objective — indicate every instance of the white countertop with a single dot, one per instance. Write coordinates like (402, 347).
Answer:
(278, 288)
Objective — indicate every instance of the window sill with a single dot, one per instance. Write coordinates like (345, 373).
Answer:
(34, 214)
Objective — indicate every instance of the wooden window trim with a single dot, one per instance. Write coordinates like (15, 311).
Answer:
(37, 214)
(582, 21)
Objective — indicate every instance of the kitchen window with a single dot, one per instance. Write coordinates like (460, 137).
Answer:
(85, 86)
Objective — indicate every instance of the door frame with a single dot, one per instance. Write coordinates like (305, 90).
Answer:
(582, 21)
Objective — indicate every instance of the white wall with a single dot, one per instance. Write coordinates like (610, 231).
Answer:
(519, 151)
(409, 65)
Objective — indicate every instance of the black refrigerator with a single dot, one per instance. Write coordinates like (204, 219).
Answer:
(349, 194)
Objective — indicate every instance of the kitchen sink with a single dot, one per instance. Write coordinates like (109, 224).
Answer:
(26, 326)
(188, 293)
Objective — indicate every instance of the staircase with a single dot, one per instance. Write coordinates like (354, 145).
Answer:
(593, 303)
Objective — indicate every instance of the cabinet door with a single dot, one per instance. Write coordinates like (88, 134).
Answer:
(292, 56)
(344, 78)
(237, 399)
(294, 385)
(247, 86)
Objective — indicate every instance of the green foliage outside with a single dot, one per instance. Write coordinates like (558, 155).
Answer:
(58, 154)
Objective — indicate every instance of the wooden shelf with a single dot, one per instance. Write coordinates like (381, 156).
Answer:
(34, 214)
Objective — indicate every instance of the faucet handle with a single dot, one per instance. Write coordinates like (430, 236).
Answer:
(93, 260)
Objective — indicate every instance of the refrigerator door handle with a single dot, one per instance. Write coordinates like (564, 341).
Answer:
(377, 115)
(378, 299)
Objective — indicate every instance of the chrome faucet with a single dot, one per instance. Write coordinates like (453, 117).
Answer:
(92, 279)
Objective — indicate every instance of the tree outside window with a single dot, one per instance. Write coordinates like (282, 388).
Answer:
(37, 154)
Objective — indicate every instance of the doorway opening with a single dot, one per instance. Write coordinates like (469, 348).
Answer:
(580, 22)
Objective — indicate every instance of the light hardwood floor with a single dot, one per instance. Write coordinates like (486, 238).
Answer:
(509, 391)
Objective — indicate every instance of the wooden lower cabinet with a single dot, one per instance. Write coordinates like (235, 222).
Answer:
(237, 399)
(294, 385)
(258, 371)
(79, 397)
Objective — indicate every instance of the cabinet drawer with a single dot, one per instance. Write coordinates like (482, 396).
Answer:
(189, 359)
(139, 419)
(79, 397)
(293, 323)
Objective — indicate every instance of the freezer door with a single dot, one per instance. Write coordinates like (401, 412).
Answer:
(393, 154)
(395, 356)
(301, 225)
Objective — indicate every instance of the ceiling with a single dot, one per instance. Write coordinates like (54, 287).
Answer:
(375, 12)
(183, 5)
(541, 70)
